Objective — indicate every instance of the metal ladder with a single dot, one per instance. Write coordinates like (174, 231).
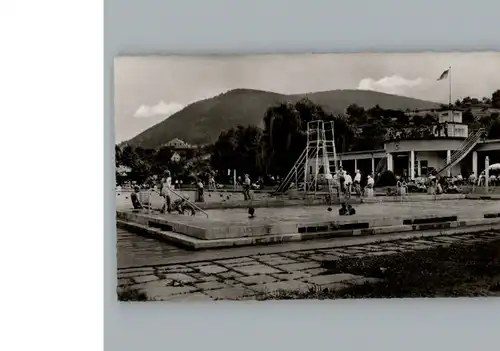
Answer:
(326, 159)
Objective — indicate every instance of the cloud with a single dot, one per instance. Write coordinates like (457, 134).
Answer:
(160, 109)
(393, 85)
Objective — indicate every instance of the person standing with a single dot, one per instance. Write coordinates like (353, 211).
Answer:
(165, 189)
(357, 183)
(200, 191)
(211, 183)
(370, 183)
(247, 183)
(348, 184)
(341, 178)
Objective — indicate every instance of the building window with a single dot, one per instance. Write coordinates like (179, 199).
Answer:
(424, 165)
(461, 132)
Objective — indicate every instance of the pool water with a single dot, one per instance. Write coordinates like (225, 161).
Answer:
(460, 208)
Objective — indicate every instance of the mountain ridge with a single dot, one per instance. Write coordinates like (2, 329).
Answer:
(202, 121)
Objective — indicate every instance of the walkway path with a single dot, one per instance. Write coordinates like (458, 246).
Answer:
(211, 275)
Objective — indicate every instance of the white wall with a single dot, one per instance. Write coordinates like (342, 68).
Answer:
(434, 160)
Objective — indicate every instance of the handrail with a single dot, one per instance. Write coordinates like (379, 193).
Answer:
(187, 200)
(464, 149)
(288, 177)
(380, 165)
(471, 142)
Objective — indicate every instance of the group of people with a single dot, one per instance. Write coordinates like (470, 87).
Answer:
(180, 204)
(346, 185)
(493, 180)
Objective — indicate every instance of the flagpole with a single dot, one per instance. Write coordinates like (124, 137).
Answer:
(449, 76)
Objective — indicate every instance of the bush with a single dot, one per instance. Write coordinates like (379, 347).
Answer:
(131, 294)
(386, 179)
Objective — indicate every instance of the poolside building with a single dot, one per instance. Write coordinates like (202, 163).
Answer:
(451, 149)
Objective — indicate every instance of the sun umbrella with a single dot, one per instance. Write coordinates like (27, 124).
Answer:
(495, 166)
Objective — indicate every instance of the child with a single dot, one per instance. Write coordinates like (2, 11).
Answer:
(135, 199)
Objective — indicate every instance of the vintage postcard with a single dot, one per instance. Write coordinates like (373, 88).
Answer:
(313, 176)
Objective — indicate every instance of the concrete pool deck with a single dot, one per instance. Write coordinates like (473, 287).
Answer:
(227, 228)
(263, 200)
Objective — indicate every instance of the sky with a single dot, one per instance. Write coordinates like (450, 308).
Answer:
(149, 89)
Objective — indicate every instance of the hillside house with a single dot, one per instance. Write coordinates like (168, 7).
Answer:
(178, 144)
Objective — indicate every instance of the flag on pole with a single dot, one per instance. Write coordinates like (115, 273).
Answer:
(444, 75)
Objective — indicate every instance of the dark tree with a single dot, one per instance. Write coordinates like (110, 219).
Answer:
(495, 99)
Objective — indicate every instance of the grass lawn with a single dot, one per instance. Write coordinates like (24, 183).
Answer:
(449, 271)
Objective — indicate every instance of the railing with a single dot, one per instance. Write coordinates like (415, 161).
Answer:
(381, 166)
(296, 172)
(182, 197)
(463, 149)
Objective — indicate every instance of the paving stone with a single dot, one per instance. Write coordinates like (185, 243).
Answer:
(291, 275)
(193, 297)
(145, 278)
(424, 242)
(352, 251)
(291, 254)
(242, 264)
(235, 260)
(373, 247)
(197, 265)
(298, 266)
(256, 269)
(212, 269)
(233, 293)
(266, 257)
(471, 236)
(280, 261)
(181, 277)
(390, 248)
(308, 252)
(208, 278)
(198, 276)
(282, 285)
(256, 279)
(338, 253)
(421, 247)
(304, 259)
(381, 253)
(232, 282)
(315, 271)
(133, 274)
(447, 239)
(176, 269)
(140, 270)
(331, 278)
(230, 274)
(324, 257)
(211, 285)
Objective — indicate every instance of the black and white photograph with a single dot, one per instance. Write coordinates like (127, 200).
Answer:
(307, 176)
